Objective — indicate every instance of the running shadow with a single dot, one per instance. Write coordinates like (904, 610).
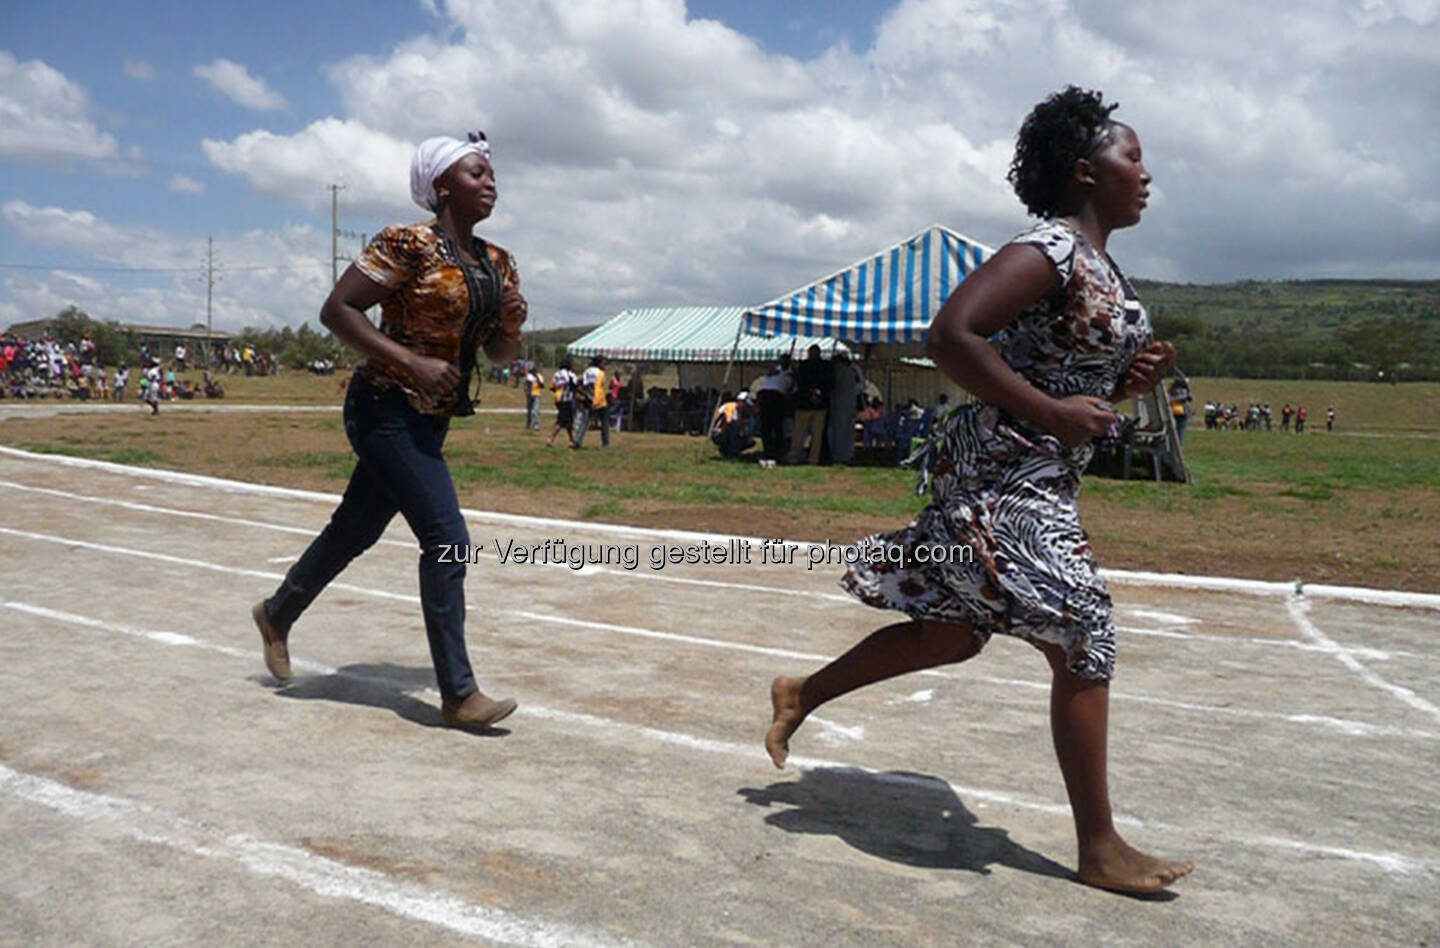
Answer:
(913, 819)
(381, 685)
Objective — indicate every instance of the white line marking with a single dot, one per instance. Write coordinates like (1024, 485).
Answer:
(1298, 609)
(832, 732)
(1170, 617)
(1350, 728)
(1392, 862)
(311, 532)
(1362, 651)
(1134, 577)
(324, 877)
(1259, 587)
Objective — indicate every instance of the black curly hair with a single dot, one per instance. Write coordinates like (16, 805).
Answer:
(1058, 132)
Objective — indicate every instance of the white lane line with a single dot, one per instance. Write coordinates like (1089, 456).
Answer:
(1343, 726)
(177, 512)
(1361, 651)
(324, 877)
(833, 732)
(1158, 616)
(1373, 654)
(587, 570)
(608, 727)
(1134, 577)
(1299, 608)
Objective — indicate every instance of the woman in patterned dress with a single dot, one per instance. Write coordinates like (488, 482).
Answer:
(1004, 474)
(443, 294)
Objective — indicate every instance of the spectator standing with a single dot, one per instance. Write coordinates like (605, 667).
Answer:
(180, 357)
(770, 398)
(1180, 402)
(563, 383)
(1330, 419)
(592, 400)
(814, 380)
(534, 385)
(152, 387)
(1299, 419)
(1285, 413)
(122, 378)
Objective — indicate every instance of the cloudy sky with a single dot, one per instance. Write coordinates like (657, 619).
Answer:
(655, 152)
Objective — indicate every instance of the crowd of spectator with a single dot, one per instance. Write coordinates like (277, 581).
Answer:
(45, 367)
(816, 412)
(1258, 416)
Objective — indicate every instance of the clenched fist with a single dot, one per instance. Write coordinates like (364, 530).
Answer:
(513, 311)
(1147, 369)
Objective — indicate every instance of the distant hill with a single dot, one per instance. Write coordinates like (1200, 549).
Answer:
(557, 337)
(1341, 329)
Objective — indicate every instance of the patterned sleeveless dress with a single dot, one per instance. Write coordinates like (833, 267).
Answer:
(1007, 489)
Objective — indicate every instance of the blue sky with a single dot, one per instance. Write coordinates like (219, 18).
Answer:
(654, 152)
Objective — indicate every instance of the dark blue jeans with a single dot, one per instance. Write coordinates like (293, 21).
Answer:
(399, 468)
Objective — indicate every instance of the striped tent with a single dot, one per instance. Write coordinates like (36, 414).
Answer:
(686, 334)
(890, 297)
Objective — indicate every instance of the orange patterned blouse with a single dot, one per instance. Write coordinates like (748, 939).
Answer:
(432, 297)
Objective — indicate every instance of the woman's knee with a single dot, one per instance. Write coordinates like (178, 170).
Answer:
(447, 530)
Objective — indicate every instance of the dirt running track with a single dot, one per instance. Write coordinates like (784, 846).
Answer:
(157, 787)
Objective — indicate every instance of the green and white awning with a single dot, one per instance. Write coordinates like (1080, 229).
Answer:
(687, 334)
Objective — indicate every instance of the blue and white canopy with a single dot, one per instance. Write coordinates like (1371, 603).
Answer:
(890, 297)
(686, 334)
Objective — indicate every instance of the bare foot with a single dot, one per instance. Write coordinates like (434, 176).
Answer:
(1115, 865)
(785, 700)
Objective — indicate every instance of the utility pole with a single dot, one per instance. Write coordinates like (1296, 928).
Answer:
(335, 190)
(209, 290)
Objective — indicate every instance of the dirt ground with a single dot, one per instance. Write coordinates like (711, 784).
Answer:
(158, 787)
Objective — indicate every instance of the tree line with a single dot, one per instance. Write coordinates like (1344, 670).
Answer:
(1236, 330)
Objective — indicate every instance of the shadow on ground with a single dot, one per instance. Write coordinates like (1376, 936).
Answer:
(907, 818)
(381, 685)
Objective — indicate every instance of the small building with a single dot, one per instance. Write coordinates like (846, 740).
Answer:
(160, 339)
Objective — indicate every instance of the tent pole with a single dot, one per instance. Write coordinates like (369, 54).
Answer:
(725, 380)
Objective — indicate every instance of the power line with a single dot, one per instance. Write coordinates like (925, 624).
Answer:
(90, 269)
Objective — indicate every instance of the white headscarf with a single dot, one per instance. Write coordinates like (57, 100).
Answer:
(432, 159)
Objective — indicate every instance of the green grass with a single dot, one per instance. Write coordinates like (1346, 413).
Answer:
(1313, 462)
(98, 452)
(335, 464)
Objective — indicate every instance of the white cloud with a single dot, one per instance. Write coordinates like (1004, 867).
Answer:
(266, 278)
(233, 81)
(646, 157)
(139, 69)
(374, 167)
(44, 115)
(181, 184)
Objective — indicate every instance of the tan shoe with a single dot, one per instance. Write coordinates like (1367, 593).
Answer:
(476, 711)
(277, 655)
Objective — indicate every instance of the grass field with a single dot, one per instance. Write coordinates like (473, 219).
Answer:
(1357, 506)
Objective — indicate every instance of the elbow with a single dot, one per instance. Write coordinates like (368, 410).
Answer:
(942, 340)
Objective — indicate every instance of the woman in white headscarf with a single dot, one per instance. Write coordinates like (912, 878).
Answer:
(444, 294)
